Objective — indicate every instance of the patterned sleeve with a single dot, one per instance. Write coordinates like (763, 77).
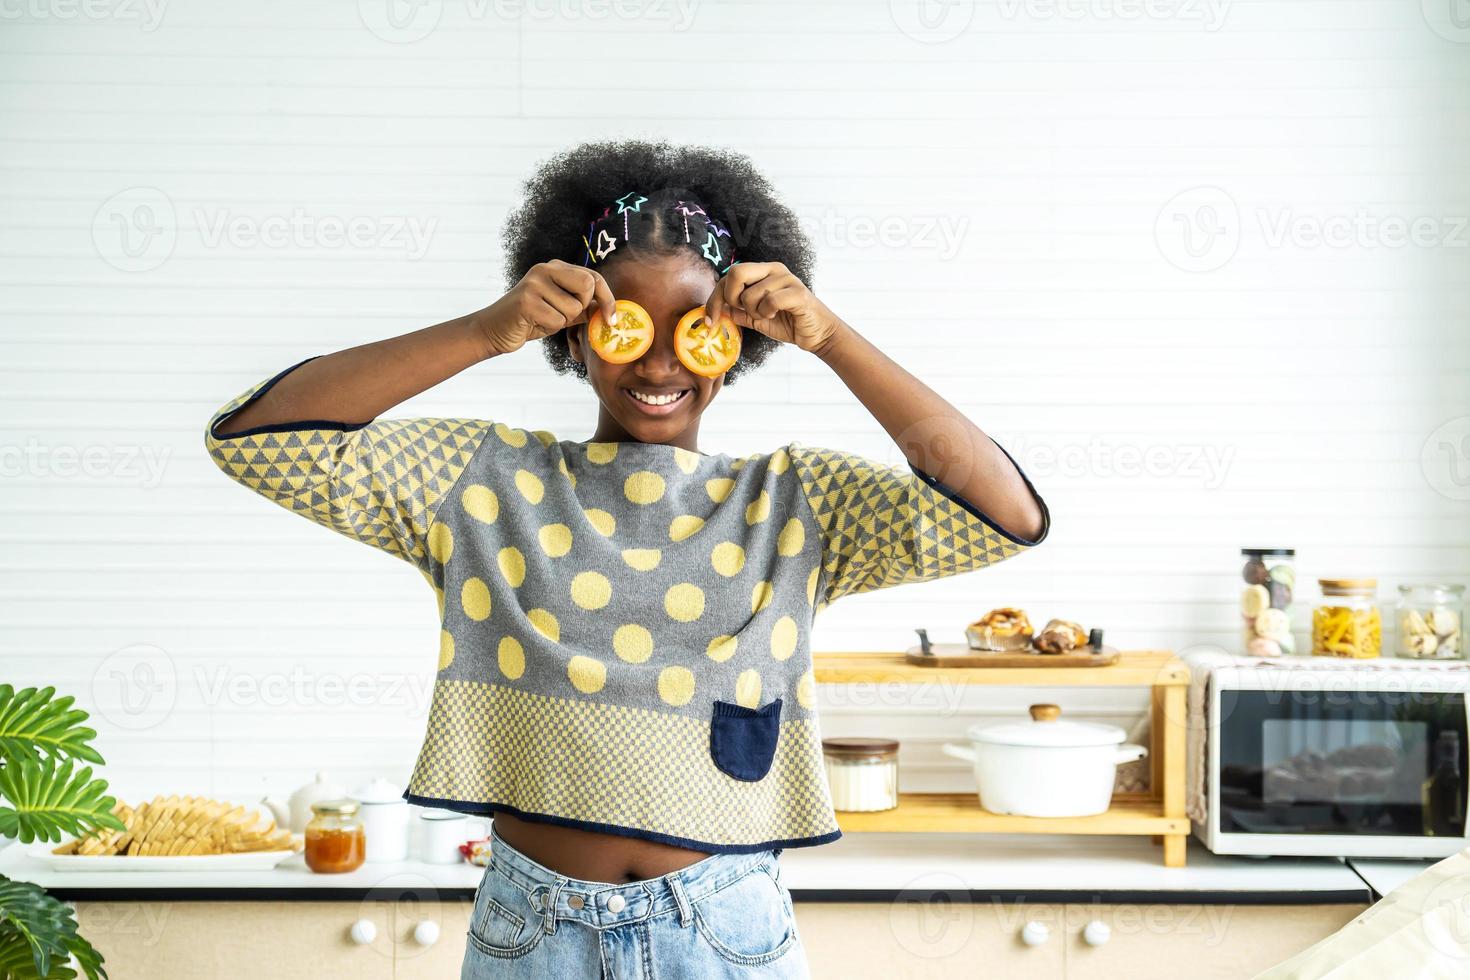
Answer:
(378, 482)
(887, 525)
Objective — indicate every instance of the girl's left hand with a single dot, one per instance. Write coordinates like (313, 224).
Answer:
(767, 297)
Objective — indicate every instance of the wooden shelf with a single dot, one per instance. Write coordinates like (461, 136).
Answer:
(1160, 813)
(961, 812)
(1135, 668)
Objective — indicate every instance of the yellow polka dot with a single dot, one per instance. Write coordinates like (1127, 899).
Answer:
(632, 643)
(512, 657)
(685, 460)
(480, 503)
(601, 452)
(728, 558)
(806, 690)
(683, 526)
(748, 689)
(684, 602)
(587, 675)
(475, 598)
(441, 543)
(643, 487)
(758, 509)
(511, 437)
(811, 585)
(545, 624)
(556, 539)
(719, 488)
(721, 648)
(676, 685)
(760, 597)
(737, 464)
(571, 477)
(591, 590)
(791, 538)
(783, 638)
(780, 461)
(530, 486)
(512, 565)
(643, 559)
(544, 437)
(446, 649)
(602, 521)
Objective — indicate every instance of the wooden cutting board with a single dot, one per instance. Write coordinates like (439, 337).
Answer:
(960, 655)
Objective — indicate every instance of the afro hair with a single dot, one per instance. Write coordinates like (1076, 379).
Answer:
(571, 188)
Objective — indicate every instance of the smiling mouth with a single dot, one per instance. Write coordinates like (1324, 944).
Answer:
(660, 404)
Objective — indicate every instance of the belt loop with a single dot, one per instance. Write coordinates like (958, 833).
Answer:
(681, 898)
(549, 921)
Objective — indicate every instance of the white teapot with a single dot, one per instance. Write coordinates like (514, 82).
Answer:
(296, 813)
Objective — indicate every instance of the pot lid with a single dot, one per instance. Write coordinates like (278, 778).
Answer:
(1045, 728)
(379, 791)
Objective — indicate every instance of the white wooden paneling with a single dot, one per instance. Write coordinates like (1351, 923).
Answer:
(1037, 168)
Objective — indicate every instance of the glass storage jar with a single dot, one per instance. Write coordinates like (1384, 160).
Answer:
(1347, 623)
(862, 773)
(1266, 601)
(335, 839)
(1428, 620)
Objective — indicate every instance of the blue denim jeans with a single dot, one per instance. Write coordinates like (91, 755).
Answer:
(727, 915)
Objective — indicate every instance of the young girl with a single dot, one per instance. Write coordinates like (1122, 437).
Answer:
(625, 673)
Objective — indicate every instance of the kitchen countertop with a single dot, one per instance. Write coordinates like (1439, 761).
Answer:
(857, 868)
(1384, 876)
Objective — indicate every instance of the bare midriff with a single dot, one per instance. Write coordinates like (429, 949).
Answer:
(593, 856)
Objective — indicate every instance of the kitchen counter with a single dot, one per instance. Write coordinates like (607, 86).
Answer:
(1383, 876)
(857, 868)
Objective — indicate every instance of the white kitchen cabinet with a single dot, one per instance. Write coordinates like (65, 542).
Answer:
(429, 938)
(149, 940)
(1219, 942)
(933, 941)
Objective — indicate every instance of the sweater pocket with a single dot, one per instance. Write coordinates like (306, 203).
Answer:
(742, 741)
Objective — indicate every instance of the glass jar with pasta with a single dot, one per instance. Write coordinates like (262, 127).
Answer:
(1347, 622)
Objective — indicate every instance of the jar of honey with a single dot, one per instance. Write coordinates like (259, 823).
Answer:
(335, 839)
(1347, 623)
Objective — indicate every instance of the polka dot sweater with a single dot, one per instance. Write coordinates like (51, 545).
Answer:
(625, 626)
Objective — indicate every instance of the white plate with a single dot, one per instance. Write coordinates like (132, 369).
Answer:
(250, 861)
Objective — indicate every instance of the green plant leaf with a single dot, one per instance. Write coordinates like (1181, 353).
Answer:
(38, 934)
(47, 799)
(32, 725)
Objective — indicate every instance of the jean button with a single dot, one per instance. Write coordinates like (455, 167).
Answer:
(616, 903)
(575, 901)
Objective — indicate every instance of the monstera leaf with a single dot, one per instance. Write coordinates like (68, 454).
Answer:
(33, 726)
(46, 799)
(38, 935)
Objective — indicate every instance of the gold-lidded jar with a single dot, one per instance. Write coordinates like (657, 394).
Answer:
(336, 841)
(1347, 621)
(862, 773)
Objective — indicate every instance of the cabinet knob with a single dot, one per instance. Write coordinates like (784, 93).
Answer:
(426, 933)
(363, 932)
(1035, 933)
(1095, 933)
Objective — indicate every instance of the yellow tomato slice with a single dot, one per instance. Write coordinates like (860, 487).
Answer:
(624, 341)
(704, 348)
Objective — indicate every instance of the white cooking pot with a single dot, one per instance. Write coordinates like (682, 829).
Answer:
(1046, 767)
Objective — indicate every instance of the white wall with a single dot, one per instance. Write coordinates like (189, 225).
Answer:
(1286, 392)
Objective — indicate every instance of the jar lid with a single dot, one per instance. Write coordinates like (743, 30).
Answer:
(342, 807)
(851, 748)
(1348, 586)
(1268, 552)
(1047, 730)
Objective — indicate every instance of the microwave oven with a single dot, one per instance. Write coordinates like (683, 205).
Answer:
(1356, 760)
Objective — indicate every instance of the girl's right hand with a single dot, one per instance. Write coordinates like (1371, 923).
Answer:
(550, 297)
